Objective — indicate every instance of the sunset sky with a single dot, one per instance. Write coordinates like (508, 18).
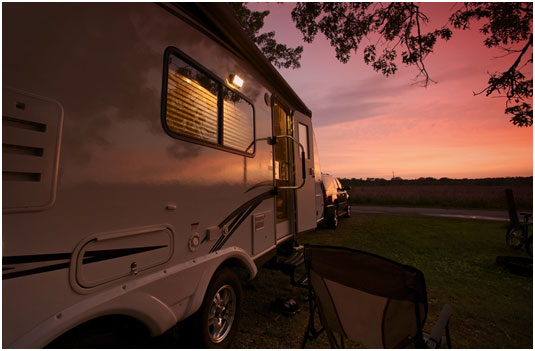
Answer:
(368, 125)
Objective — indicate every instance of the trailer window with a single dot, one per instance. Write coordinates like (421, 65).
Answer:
(191, 107)
(238, 128)
(200, 108)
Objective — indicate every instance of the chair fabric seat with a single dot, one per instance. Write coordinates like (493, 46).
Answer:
(367, 298)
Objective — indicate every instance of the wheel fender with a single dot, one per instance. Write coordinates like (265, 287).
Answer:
(208, 273)
(153, 313)
(149, 310)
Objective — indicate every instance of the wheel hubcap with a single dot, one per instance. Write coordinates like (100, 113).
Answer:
(221, 314)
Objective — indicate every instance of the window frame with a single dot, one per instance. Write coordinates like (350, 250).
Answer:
(220, 111)
(307, 140)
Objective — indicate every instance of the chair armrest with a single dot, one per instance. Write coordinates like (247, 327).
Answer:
(440, 325)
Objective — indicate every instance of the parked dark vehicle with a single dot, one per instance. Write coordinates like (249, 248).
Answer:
(335, 199)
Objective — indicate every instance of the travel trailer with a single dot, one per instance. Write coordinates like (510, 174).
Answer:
(151, 153)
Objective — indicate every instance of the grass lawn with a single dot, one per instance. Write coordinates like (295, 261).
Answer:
(492, 307)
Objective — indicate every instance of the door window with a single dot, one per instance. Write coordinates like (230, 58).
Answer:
(303, 139)
(283, 160)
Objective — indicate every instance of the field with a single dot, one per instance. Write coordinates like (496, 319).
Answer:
(442, 196)
(492, 307)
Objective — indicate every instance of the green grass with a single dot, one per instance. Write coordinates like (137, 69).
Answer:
(492, 307)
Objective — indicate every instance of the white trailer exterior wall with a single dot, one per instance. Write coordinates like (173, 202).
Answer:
(133, 221)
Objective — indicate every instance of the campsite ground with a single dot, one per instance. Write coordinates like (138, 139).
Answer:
(492, 307)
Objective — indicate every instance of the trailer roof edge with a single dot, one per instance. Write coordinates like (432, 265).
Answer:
(219, 19)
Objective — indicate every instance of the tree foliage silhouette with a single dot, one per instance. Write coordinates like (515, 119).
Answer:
(509, 26)
(399, 37)
(278, 54)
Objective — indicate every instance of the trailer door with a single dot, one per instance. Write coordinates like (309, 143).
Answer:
(306, 198)
(284, 169)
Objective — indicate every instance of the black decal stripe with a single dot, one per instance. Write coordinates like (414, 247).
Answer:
(89, 257)
(246, 205)
(35, 270)
(261, 184)
(237, 219)
(232, 227)
(243, 217)
(239, 215)
(35, 258)
(103, 255)
(219, 241)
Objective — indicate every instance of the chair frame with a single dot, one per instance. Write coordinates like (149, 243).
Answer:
(516, 224)
(311, 333)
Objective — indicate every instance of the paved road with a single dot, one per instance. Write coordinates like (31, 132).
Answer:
(434, 212)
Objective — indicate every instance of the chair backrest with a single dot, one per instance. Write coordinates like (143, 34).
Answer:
(367, 298)
(511, 206)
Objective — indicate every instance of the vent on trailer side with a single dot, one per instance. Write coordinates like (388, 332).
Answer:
(31, 134)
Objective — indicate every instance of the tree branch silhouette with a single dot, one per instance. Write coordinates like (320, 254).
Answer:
(399, 28)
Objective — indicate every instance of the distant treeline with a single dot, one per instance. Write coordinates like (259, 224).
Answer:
(508, 181)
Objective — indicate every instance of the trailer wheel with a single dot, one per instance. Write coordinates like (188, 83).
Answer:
(219, 314)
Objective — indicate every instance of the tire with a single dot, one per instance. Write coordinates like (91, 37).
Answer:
(217, 319)
(529, 246)
(333, 221)
(348, 211)
(514, 238)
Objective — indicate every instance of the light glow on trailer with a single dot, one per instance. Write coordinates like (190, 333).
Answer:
(236, 80)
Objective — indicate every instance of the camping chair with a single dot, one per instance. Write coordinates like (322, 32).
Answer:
(517, 232)
(370, 300)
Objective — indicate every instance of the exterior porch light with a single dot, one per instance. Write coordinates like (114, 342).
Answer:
(235, 81)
